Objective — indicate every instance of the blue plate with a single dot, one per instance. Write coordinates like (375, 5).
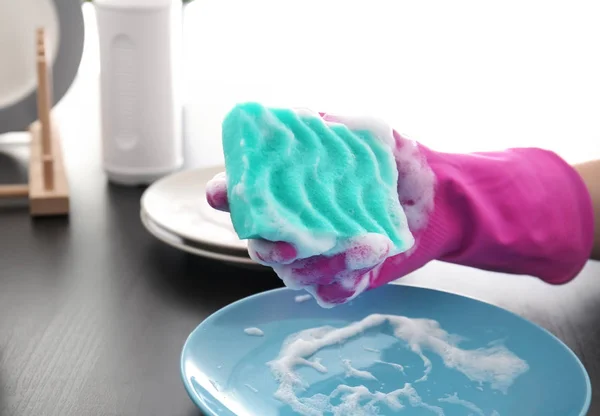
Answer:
(446, 355)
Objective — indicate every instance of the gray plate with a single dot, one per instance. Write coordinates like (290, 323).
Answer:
(18, 115)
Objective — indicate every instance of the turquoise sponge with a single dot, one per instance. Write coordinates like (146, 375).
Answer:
(293, 177)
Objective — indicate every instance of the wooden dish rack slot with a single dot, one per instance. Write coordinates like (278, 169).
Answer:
(47, 187)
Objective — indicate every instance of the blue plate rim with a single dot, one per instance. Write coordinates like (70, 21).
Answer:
(191, 393)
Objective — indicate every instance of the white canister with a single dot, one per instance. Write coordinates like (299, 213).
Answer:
(140, 64)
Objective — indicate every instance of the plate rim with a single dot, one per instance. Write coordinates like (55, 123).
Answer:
(144, 204)
(149, 224)
(19, 114)
(215, 315)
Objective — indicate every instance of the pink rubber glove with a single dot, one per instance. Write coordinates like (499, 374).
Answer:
(520, 211)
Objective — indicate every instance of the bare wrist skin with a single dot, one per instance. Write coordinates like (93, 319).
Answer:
(590, 173)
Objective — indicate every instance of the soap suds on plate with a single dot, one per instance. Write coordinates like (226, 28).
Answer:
(494, 365)
(454, 399)
(395, 365)
(255, 332)
(354, 372)
(316, 364)
(251, 388)
(426, 362)
(302, 298)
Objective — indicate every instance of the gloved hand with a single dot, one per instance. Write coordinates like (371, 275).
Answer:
(522, 211)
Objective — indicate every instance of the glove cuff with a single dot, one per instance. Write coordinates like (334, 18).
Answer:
(520, 211)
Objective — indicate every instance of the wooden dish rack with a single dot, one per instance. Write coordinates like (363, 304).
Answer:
(47, 188)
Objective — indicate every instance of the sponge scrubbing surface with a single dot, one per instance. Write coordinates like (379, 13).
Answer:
(293, 177)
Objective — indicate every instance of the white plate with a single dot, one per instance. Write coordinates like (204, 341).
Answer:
(194, 248)
(177, 203)
(63, 23)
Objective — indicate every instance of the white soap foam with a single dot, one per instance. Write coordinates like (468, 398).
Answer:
(286, 274)
(454, 399)
(409, 392)
(359, 287)
(395, 365)
(266, 248)
(360, 401)
(307, 244)
(416, 183)
(302, 298)
(376, 126)
(371, 349)
(426, 362)
(316, 364)
(305, 112)
(495, 365)
(347, 281)
(353, 397)
(255, 332)
(354, 372)
(239, 190)
(365, 251)
(250, 387)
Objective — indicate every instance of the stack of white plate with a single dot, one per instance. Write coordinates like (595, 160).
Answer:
(174, 210)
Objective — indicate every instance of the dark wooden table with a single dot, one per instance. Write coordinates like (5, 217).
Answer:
(94, 311)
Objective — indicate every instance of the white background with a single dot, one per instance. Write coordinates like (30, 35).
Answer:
(460, 75)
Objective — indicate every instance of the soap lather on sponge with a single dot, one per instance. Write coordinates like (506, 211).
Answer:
(293, 177)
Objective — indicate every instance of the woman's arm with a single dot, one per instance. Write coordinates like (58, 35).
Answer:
(590, 173)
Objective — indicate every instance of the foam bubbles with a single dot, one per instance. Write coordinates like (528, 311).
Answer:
(239, 189)
(307, 243)
(416, 182)
(454, 399)
(354, 372)
(394, 365)
(347, 280)
(366, 251)
(495, 366)
(255, 332)
(376, 126)
(302, 298)
(252, 388)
